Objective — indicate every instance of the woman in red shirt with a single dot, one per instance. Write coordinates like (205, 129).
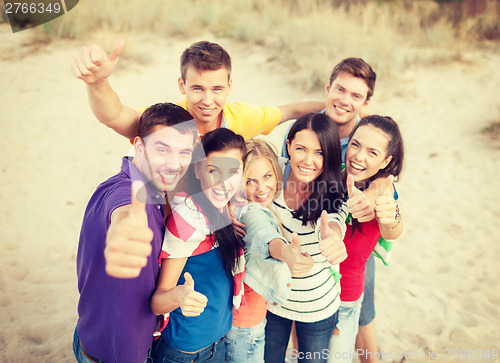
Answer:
(374, 158)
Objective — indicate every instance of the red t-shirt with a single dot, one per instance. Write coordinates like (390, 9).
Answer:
(358, 246)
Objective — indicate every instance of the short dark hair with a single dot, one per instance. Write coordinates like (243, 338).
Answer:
(205, 56)
(166, 114)
(359, 69)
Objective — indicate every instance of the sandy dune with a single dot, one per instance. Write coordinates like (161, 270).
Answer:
(441, 290)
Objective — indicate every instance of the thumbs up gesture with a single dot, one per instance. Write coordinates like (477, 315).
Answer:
(331, 244)
(128, 239)
(191, 302)
(386, 208)
(359, 204)
(93, 64)
(299, 263)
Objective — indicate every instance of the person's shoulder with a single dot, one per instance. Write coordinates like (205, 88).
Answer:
(282, 162)
(116, 185)
(116, 192)
(257, 209)
(110, 195)
(256, 206)
(232, 105)
(183, 205)
(247, 107)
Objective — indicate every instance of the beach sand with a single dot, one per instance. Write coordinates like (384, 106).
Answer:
(441, 290)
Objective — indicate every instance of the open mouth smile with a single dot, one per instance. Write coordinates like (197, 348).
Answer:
(168, 177)
(220, 194)
(340, 110)
(356, 167)
(306, 171)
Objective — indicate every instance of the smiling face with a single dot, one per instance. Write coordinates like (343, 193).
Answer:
(164, 156)
(306, 156)
(345, 98)
(220, 176)
(206, 93)
(366, 153)
(261, 182)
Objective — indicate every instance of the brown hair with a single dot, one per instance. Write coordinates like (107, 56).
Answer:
(205, 56)
(326, 188)
(395, 147)
(166, 114)
(359, 69)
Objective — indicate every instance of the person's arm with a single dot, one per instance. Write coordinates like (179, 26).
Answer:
(94, 66)
(169, 296)
(295, 110)
(387, 211)
(128, 240)
(298, 263)
(391, 230)
(109, 110)
(264, 237)
(331, 242)
(361, 204)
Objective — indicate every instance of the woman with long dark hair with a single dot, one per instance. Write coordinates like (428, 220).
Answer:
(311, 205)
(374, 158)
(202, 270)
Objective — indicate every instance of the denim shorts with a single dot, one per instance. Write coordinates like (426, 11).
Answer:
(78, 351)
(341, 347)
(163, 352)
(368, 307)
(246, 345)
(81, 357)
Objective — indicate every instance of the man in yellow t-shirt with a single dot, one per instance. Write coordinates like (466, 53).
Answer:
(205, 82)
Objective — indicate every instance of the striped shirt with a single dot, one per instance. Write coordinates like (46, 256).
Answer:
(189, 234)
(316, 296)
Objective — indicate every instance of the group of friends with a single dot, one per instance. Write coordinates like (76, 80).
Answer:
(208, 246)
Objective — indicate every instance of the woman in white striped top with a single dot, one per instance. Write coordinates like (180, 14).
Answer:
(312, 205)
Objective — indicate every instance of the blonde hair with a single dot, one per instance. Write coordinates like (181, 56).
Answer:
(257, 149)
(261, 149)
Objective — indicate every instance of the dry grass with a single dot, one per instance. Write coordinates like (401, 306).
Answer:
(309, 37)
(492, 130)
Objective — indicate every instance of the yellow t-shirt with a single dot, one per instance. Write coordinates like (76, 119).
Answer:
(245, 119)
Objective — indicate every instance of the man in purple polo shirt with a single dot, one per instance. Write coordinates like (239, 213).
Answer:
(115, 321)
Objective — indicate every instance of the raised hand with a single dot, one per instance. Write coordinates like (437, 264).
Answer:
(331, 244)
(93, 64)
(191, 302)
(360, 206)
(128, 242)
(386, 208)
(299, 263)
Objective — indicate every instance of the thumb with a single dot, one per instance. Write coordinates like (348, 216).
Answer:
(188, 280)
(351, 189)
(116, 50)
(139, 197)
(385, 187)
(324, 224)
(295, 242)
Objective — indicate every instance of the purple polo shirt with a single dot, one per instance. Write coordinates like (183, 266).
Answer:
(115, 321)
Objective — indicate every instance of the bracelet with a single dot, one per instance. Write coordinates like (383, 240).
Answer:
(397, 217)
(397, 224)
